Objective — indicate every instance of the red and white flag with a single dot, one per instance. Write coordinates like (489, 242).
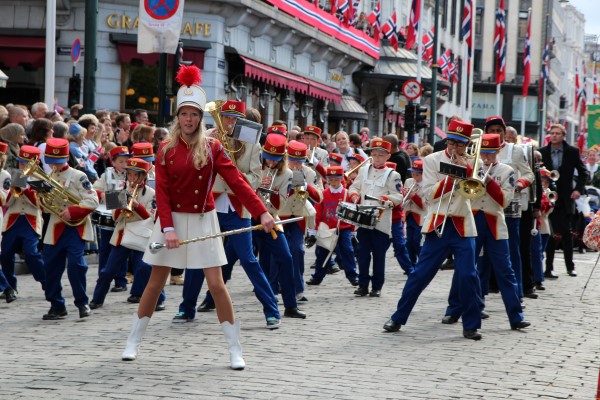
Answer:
(500, 43)
(527, 59)
(427, 48)
(390, 31)
(413, 24)
(375, 20)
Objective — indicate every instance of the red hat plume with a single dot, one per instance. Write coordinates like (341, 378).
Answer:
(188, 75)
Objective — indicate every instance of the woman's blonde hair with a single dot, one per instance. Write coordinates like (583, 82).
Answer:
(200, 144)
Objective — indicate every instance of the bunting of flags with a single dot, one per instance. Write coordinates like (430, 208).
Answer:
(413, 25)
(500, 43)
(390, 31)
(375, 20)
(527, 58)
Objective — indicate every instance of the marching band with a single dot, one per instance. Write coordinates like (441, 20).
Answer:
(201, 184)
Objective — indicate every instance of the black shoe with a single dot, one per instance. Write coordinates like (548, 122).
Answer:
(550, 275)
(391, 326)
(294, 313)
(375, 293)
(182, 317)
(354, 283)
(206, 307)
(84, 311)
(94, 305)
(530, 295)
(333, 270)
(310, 241)
(10, 295)
(362, 291)
(314, 266)
(484, 315)
(472, 334)
(540, 286)
(572, 273)
(449, 320)
(520, 325)
(116, 289)
(447, 265)
(54, 314)
(313, 282)
(133, 299)
(160, 307)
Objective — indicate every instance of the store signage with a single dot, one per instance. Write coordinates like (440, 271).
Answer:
(124, 21)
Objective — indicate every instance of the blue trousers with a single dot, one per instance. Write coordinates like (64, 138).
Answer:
(280, 260)
(21, 235)
(434, 251)
(538, 246)
(68, 251)
(400, 250)
(237, 247)
(345, 257)
(118, 256)
(505, 277)
(295, 241)
(413, 239)
(104, 249)
(371, 241)
(515, 252)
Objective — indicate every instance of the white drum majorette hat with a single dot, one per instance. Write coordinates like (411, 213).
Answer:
(190, 93)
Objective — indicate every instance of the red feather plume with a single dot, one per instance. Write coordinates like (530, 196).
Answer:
(188, 75)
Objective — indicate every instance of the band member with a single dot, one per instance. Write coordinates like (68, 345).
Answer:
(398, 236)
(333, 195)
(141, 206)
(512, 155)
(232, 215)
(22, 227)
(498, 183)
(383, 183)
(457, 236)
(112, 179)
(305, 186)
(145, 151)
(274, 252)
(415, 208)
(186, 167)
(318, 158)
(67, 232)
(353, 162)
(539, 243)
(335, 159)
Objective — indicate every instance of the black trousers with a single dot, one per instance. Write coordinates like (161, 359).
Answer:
(561, 226)
(525, 249)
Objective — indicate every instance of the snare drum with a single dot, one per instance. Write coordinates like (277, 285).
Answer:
(103, 218)
(514, 209)
(363, 217)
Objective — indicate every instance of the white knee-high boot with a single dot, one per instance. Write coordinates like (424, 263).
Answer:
(135, 337)
(232, 336)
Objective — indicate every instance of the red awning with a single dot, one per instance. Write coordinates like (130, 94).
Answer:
(128, 52)
(273, 76)
(324, 92)
(440, 133)
(15, 50)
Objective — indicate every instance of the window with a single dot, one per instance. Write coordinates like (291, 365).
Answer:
(520, 63)
(459, 65)
(477, 61)
(453, 18)
(443, 8)
(523, 24)
(478, 21)
(136, 92)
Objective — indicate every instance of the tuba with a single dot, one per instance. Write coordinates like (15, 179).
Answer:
(214, 109)
(58, 198)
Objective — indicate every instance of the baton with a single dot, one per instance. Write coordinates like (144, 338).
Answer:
(155, 247)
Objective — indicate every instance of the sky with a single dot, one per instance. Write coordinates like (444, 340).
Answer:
(589, 8)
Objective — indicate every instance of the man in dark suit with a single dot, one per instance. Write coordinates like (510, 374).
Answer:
(560, 156)
(399, 156)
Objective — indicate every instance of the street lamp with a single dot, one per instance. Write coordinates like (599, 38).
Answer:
(324, 113)
(306, 108)
(264, 98)
(286, 102)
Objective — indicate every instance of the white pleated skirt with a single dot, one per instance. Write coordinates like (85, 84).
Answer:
(198, 255)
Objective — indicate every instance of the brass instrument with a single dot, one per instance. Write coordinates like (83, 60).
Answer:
(301, 193)
(534, 230)
(552, 196)
(265, 192)
(128, 212)
(309, 159)
(56, 200)
(214, 109)
(406, 200)
(474, 187)
(16, 191)
(554, 175)
(440, 231)
(298, 184)
(353, 170)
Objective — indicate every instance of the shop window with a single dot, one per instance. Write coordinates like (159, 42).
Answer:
(140, 88)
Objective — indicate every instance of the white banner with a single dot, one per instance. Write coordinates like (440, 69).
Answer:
(159, 26)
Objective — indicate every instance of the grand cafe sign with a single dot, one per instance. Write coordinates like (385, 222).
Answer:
(124, 21)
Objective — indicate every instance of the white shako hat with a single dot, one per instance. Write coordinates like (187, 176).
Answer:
(190, 93)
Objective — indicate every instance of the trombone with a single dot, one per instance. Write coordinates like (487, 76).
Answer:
(359, 166)
(406, 199)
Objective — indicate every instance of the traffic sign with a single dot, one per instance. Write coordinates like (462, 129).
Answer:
(161, 9)
(76, 50)
(411, 89)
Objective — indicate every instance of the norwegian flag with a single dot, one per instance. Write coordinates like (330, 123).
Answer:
(583, 94)
(453, 72)
(577, 88)
(390, 31)
(594, 88)
(527, 59)
(467, 27)
(427, 48)
(342, 7)
(500, 43)
(375, 20)
(444, 62)
(413, 25)
(352, 12)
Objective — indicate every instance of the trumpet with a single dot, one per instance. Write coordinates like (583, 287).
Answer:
(301, 193)
(309, 159)
(16, 191)
(552, 196)
(128, 212)
(554, 175)
(406, 199)
(353, 170)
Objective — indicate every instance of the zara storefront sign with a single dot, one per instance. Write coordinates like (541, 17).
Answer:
(484, 105)
(127, 22)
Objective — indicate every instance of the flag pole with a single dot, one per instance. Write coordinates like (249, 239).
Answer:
(419, 48)
(471, 64)
(498, 99)
(463, 82)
